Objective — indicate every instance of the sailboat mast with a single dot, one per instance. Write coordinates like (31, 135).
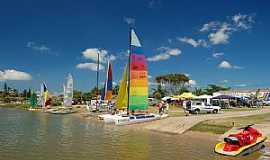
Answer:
(97, 77)
(128, 78)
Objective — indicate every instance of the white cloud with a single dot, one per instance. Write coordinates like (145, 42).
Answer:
(225, 65)
(165, 53)
(159, 57)
(90, 66)
(38, 47)
(192, 82)
(243, 21)
(221, 36)
(220, 32)
(129, 20)
(225, 81)
(193, 42)
(92, 53)
(228, 65)
(149, 76)
(186, 74)
(210, 26)
(241, 85)
(154, 4)
(11, 74)
(112, 57)
(114, 83)
(218, 54)
(238, 67)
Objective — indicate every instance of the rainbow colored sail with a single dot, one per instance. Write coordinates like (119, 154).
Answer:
(138, 96)
(108, 84)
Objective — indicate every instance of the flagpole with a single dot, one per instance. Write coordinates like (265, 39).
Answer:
(129, 57)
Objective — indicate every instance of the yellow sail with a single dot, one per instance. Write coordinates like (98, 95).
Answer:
(122, 97)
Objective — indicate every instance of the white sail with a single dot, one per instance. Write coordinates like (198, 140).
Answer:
(68, 91)
(40, 98)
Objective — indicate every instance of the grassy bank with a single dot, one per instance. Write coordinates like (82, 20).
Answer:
(17, 106)
(221, 126)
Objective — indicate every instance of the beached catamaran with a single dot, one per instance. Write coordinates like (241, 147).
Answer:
(133, 91)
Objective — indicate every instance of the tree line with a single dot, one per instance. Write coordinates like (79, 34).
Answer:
(176, 84)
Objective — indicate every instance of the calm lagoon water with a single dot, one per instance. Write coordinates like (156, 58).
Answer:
(40, 136)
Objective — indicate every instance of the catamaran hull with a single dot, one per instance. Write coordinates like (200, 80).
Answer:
(107, 118)
(242, 151)
(120, 120)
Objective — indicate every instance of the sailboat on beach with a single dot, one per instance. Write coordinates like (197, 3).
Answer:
(133, 91)
(67, 99)
(68, 91)
(44, 100)
(33, 102)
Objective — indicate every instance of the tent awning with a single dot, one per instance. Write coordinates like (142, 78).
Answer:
(185, 95)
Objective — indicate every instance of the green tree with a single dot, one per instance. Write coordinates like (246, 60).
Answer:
(212, 88)
(5, 89)
(29, 93)
(24, 93)
(198, 91)
(157, 95)
(173, 83)
(77, 95)
(86, 96)
(94, 92)
(182, 90)
(159, 92)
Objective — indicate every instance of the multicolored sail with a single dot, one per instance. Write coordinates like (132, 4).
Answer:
(108, 84)
(121, 100)
(138, 96)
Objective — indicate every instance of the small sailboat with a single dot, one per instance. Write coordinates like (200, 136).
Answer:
(121, 101)
(33, 102)
(137, 86)
(68, 92)
(44, 100)
(67, 100)
(133, 91)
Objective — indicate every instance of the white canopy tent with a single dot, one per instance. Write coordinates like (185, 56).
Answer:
(205, 97)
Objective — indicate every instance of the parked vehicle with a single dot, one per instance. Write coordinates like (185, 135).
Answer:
(200, 107)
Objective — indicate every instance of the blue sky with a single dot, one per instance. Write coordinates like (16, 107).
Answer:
(222, 42)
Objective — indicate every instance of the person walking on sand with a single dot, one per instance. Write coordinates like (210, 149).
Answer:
(167, 105)
(160, 107)
(187, 107)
